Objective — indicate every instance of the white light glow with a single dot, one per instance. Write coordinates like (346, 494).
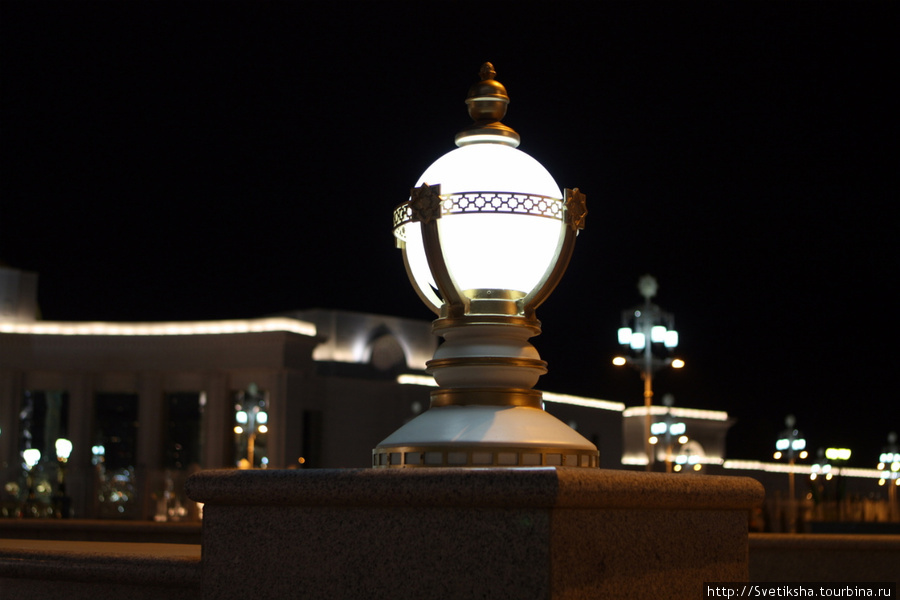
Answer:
(496, 250)
(657, 333)
(579, 401)
(262, 417)
(619, 361)
(241, 417)
(800, 444)
(63, 449)
(31, 456)
(658, 428)
(638, 341)
(410, 379)
(677, 363)
(162, 328)
(671, 339)
(783, 444)
(624, 335)
(677, 428)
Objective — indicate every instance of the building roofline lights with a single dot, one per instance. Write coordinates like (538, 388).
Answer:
(684, 413)
(580, 401)
(160, 328)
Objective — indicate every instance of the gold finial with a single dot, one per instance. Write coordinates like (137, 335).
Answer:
(487, 101)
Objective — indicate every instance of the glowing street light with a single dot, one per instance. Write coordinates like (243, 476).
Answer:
(791, 445)
(30, 508)
(62, 502)
(889, 465)
(667, 431)
(251, 420)
(649, 337)
(486, 236)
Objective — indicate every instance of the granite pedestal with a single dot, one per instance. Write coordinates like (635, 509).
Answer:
(470, 533)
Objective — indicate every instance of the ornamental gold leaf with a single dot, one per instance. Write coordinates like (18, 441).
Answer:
(576, 209)
(425, 203)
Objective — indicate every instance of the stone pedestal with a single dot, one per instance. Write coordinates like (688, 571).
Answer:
(470, 533)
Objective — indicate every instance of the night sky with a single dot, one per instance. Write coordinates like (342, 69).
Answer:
(180, 161)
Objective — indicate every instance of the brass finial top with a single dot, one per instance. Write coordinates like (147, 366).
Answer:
(487, 101)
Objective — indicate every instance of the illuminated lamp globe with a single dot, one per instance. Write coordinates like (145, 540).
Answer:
(486, 236)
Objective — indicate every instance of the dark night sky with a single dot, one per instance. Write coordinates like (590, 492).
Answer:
(177, 161)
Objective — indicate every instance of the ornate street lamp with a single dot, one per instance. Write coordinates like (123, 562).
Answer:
(648, 335)
(486, 236)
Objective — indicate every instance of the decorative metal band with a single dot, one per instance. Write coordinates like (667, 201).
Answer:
(419, 207)
(486, 361)
(486, 397)
(494, 456)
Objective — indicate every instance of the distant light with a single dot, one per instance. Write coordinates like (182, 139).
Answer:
(677, 363)
(683, 439)
(638, 341)
(624, 335)
(63, 449)
(676, 468)
(263, 429)
(262, 417)
(837, 453)
(619, 361)
(671, 339)
(410, 379)
(800, 444)
(238, 429)
(32, 456)
(677, 428)
(783, 444)
(657, 333)
(161, 328)
(653, 440)
(804, 454)
(697, 467)
(777, 455)
(241, 417)
(658, 428)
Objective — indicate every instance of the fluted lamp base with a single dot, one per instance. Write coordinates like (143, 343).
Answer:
(485, 436)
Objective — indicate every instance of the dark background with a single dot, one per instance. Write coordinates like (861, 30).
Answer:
(180, 161)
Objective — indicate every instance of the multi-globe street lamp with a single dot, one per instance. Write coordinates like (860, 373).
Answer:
(889, 465)
(486, 236)
(791, 445)
(668, 431)
(251, 420)
(649, 337)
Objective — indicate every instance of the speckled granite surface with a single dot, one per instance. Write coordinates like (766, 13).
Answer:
(50, 569)
(470, 533)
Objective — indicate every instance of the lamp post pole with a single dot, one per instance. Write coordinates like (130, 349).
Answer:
(252, 419)
(642, 327)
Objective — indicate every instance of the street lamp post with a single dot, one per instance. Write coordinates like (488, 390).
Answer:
(669, 431)
(251, 420)
(791, 445)
(63, 504)
(889, 465)
(30, 508)
(644, 328)
(486, 236)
